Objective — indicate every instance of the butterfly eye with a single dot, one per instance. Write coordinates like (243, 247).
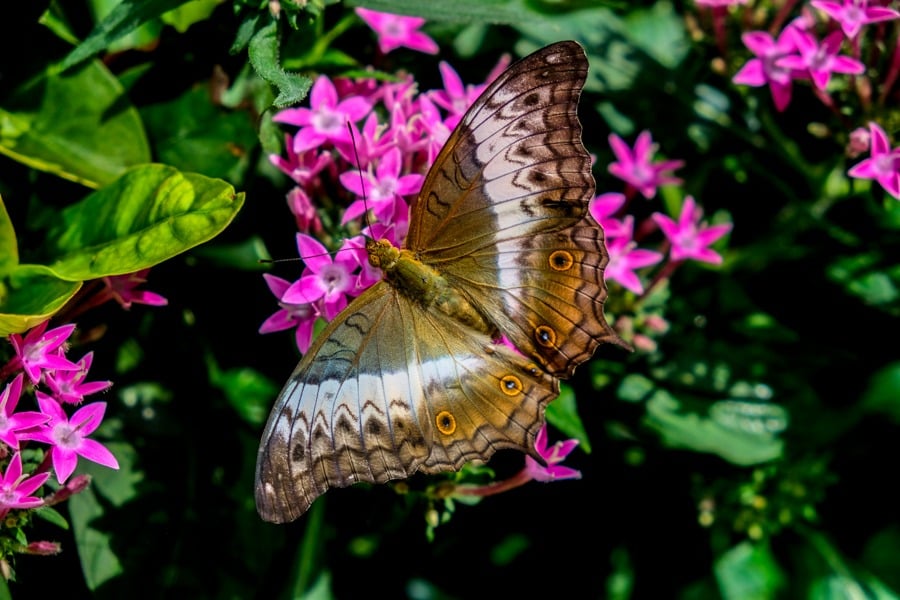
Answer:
(446, 423)
(561, 260)
(545, 336)
(510, 385)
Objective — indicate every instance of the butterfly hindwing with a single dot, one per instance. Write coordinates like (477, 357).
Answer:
(388, 390)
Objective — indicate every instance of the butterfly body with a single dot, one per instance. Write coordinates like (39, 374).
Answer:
(412, 376)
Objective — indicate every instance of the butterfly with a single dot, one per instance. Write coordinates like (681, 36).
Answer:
(413, 376)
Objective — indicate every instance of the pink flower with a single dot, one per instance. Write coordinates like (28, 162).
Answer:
(625, 258)
(39, 351)
(553, 455)
(330, 280)
(689, 237)
(883, 164)
(302, 316)
(69, 386)
(302, 168)
(603, 207)
(383, 191)
(12, 422)
(635, 167)
(853, 14)
(304, 212)
(68, 437)
(766, 68)
(16, 488)
(326, 119)
(820, 61)
(395, 31)
(122, 288)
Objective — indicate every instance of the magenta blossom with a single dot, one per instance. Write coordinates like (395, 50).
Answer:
(819, 60)
(852, 15)
(766, 68)
(883, 164)
(68, 437)
(383, 191)
(12, 422)
(689, 237)
(39, 351)
(603, 207)
(323, 278)
(122, 289)
(635, 168)
(625, 258)
(395, 31)
(553, 455)
(326, 119)
(16, 488)
(302, 316)
(70, 387)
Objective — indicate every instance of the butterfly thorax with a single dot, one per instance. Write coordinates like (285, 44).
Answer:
(424, 284)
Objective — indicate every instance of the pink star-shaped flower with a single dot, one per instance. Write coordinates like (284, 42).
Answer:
(39, 351)
(635, 168)
(70, 387)
(395, 31)
(883, 164)
(603, 207)
(625, 258)
(689, 237)
(326, 119)
(383, 190)
(123, 289)
(68, 437)
(323, 278)
(16, 488)
(819, 60)
(553, 455)
(12, 422)
(302, 316)
(852, 15)
(766, 68)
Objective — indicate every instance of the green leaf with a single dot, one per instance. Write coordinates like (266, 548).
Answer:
(562, 413)
(149, 215)
(9, 247)
(883, 393)
(142, 36)
(196, 135)
(264, 57)
(33, 294)
(126, 17)
(694, 432)
(79, 126)
(659, 31)
(189, 13)
(51, 515)
(749, 571)
(98, 561)
(116, 485)
(249, 392)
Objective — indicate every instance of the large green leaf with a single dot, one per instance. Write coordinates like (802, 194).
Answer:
(79, 126)
(33, 294)
(99, 562)
(9, 248)
(150, 214)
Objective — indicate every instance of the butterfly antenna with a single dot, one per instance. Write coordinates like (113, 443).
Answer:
(362, 182)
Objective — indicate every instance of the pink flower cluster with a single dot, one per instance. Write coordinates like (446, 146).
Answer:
(800, 53)
(40, 356)
(688, 238)
(361, 146)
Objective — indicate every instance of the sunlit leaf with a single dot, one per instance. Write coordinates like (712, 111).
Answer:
(150, 214)
(749, 571)
(78, 125)
(33, 294)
